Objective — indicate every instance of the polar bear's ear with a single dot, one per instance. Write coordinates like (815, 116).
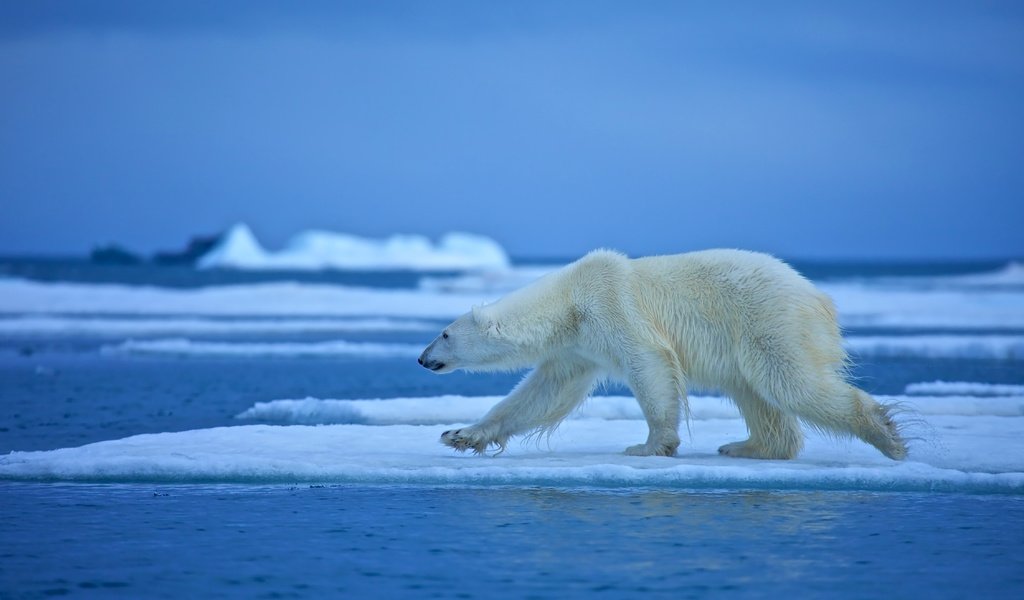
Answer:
(485, 320)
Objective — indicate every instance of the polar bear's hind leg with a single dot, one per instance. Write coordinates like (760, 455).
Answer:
(826, 402)
(773, 433)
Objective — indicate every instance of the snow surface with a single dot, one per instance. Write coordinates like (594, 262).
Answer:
(960, 453)
(316, 250)
(968, 388)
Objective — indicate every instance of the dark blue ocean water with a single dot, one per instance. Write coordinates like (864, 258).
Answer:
(385, 542)
(147, 540)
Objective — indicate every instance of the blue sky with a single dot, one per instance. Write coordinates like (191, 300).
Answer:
(806, 129)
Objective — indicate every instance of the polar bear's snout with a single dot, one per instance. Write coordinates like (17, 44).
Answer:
(429, 362)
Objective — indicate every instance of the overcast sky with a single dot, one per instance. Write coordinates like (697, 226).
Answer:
(806, 129)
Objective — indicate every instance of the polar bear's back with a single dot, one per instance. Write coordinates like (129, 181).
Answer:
(730, 277)
(732, 303)
(710, 280)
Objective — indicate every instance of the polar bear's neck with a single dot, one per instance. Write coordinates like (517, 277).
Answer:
(532, 315)
(544, 315)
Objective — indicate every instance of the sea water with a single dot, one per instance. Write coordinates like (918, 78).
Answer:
(168, 433)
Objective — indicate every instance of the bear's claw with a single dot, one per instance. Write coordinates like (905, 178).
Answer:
(462, 441)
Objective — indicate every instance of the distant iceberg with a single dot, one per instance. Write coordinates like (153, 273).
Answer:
(315, 250)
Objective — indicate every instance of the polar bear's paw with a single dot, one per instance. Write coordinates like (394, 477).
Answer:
(464, 439)
(649, 449)
(748, 449)
(471, 438)
(740, 450)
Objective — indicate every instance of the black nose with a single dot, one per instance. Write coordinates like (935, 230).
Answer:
(433, 365)
(420, 360)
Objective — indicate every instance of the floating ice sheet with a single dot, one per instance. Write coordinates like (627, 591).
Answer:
(973, 454)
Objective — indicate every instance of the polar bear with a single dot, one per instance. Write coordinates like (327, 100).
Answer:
(738, 321)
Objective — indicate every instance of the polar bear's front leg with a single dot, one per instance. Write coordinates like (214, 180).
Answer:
(659, 389)
(540, 401)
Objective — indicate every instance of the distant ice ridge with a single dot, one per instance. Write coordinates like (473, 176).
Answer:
(449, 410)
(951, 388)
(315, 250)
(959, 454)
(183, 346)
(109, 327)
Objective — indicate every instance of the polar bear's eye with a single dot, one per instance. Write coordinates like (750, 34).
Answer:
(445, 335)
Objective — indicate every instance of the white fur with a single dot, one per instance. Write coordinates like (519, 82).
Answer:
(738, 321)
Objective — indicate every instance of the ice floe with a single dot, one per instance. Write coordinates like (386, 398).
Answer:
(976, 454)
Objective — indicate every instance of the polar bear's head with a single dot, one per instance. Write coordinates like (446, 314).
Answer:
(519, 330)
(475, 341)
